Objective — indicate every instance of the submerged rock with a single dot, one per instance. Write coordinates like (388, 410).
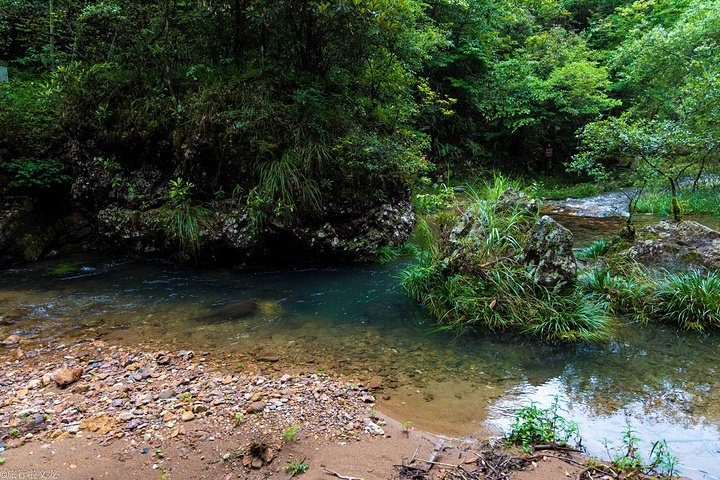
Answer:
(676, 246)
(550, 251)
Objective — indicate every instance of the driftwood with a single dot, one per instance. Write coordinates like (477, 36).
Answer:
(433, 456)
(341, 476)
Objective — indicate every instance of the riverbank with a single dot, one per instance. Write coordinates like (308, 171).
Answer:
(143, 412)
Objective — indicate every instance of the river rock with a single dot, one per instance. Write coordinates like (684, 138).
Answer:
(11, 340)
(550, 251)
(102, 424)
(256, 407)
(676, 246)
(65, 375)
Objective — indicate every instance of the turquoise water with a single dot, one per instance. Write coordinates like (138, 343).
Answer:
(357, 321)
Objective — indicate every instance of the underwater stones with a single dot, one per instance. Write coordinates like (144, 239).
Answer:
(550, 251)
(676, 246)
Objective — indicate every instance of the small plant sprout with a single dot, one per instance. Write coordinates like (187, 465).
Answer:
(629, 461)
(239, 417)
(405, 427)
(296, 468)
(289, 433)
(14, 433)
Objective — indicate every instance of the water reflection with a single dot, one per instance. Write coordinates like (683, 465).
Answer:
(356, 321)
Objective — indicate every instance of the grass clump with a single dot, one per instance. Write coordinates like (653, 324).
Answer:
(597, 249)
(703, 200)
(472, 272)
(387, 254)
(689, 299)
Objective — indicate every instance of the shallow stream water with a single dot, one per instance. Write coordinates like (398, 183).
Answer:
(357, 321)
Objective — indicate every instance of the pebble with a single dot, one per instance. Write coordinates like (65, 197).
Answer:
(157, 407)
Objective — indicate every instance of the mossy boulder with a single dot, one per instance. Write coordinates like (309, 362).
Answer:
(675, 246)
(549, 250)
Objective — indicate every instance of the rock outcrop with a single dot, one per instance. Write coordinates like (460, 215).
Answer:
(675, 246)
(28, 230)
(549, 249)
(226, 233)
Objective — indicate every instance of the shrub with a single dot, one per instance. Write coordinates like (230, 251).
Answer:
(533, 425)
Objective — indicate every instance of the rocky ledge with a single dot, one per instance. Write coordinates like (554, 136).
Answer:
(675, 246)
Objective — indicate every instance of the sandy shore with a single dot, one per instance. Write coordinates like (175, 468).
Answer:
(90, 409)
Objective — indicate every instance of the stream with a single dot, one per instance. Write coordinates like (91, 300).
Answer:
(357, 321)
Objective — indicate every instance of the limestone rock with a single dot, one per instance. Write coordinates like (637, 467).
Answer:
(550, 250)
(676, 246)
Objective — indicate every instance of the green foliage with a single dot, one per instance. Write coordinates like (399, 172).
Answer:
(629, 461)
(296, 468)
(597, 249)
(184, 220)
(29, 119)
(442, 198)
(703, 200)
(290, 432)
(690, 299)
(533, 425)
(35, 173)
(387, 254)
(494, 288)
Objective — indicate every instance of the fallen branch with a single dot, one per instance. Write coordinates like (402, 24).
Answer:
(555, 446)
(341, 476)
(433, 455)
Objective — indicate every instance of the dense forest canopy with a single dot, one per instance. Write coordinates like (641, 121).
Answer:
(286, 103)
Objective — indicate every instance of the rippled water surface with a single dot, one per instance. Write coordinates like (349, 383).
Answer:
(357, 321)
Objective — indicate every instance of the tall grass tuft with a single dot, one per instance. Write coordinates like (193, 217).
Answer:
(704, 200)
(690, 299)
(597, 249)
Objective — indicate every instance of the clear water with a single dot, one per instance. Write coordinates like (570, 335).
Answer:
(357, 321)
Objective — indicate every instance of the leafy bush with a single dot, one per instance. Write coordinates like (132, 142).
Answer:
(36, 173)
(533, 425)
(431, 202)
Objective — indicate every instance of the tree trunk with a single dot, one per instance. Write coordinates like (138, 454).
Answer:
(675, 204)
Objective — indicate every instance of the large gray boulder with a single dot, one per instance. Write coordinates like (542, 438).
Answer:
(676, 246)
(549, 249)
